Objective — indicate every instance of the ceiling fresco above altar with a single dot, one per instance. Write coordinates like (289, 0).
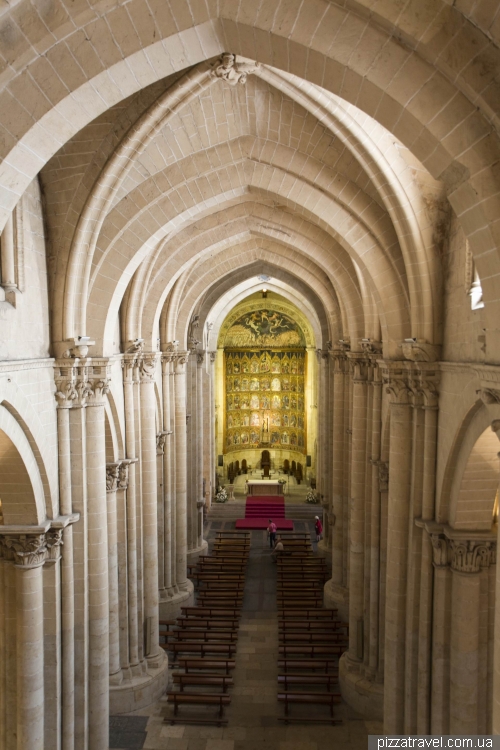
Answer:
(263, 329)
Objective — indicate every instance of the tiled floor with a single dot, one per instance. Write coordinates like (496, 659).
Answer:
(254, 712)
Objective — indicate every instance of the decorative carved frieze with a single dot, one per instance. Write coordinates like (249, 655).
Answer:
(112, 476)
(228, 69)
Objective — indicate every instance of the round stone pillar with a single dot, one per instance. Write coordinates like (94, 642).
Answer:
(97, 568)
(180, 361)
(147, 367)
(357, 521)
(397, 549)
(467, 559)
(115, 672)
(28, 553)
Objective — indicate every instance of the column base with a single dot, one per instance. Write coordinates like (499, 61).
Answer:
(364, 696)
(323, 546)
(170, 608)
(337, 597)
(194, 554)
(139, 692)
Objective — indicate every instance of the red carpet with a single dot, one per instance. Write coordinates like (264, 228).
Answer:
(271, 507)
(258, 511)
(263, 523)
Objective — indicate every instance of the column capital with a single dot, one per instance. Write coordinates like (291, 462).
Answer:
(339, 359)
(161, 439)
(180, 360)
(112, 476)
(358, 366)
(81, 381)
(146, 365)
(25, 550)
(123, 472)
(213, 356)
(396, 382)
(470, 555)
(200, 357)
(383, 473)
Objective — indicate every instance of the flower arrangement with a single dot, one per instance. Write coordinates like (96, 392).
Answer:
(221, 496)
(312, 497)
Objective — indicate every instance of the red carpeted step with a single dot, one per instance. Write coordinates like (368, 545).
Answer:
(263, 523)
(270, 507)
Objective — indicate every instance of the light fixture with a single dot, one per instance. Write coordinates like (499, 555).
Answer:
(264, 293)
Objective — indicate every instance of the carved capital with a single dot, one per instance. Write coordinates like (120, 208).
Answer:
(358, 367)
(228, 69)
(146, 366)
(112, 475)
(470, 555)
(54, 538)
(383, 476)
(213, 356)
(495, 425)
(489, 395)
(440, 550)
(371, 347)
(180, 360)
(395, 380)
(160, 442)
(200, 358)
(417, 350)
(25, 550)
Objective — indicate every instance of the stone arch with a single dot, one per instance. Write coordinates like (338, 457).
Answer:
(472, 472)
(21, 487)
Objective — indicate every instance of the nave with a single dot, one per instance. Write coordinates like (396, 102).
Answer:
(255, 716)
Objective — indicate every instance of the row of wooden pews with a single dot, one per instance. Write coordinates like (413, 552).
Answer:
(311, 639)
(203, 640)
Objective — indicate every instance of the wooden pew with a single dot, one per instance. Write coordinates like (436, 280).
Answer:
(203, 680)
(187, 623)
(312, 637)
(293, 613)
(218, 612)
(202, 649)
(326, 665)
(317, 680)
(199, 699)
(316, 699)
(188, 663)
(314, 625)
(311, 650)
(204, 635)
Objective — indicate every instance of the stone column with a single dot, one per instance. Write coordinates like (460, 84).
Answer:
(115, 672)
(65, 398)
(97, 559)
(129, 376)
(213, 445)
(200, 495)
(357, 525)
(147, 367)
(426, 576)
(181, 469)
(3, 652)
(383, 486)
(28, 553)
(172, 476)
(397, 546)
(441, 625)
(168, 541)
(375, 527)
(468, 557)
(122, 562)
(339, 363)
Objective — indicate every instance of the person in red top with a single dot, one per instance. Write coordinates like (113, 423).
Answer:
(319, 528)
(271, 530)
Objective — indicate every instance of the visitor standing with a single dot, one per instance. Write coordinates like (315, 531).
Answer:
(271, 530)
(319, 528)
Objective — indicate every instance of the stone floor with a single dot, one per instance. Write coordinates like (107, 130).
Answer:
(254, 712)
